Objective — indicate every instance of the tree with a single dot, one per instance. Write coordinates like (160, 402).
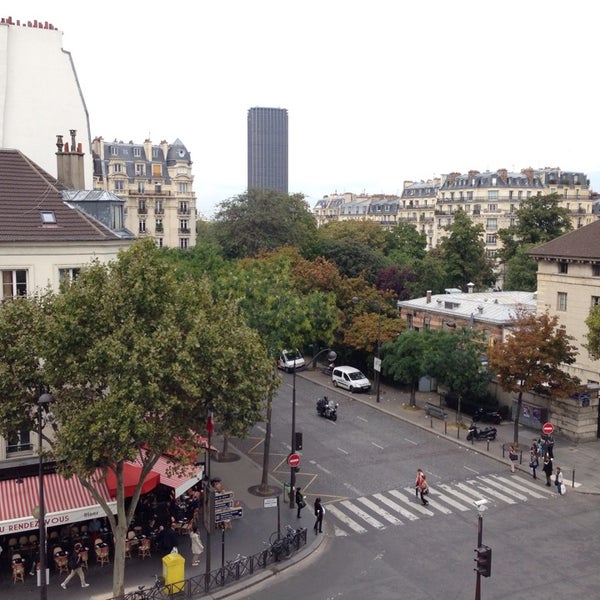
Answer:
(531, 357)
(136, 357)
(354, 258)
(405, 244)
(397, 280)
(263, 220)
(463, 254)
(593, 334)
(404, 359)
(520, 271)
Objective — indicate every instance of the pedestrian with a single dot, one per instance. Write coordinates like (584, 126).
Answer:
(75, 568)
(319, 512)
(418, 482)
(558, 481)
(547, 468)
(550, 446)
(300, 502)
(533, 463)
(167, 539)
(197, 547)
(424, 490)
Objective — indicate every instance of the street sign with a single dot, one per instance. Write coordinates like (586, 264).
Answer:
(228, 515)
(377, 364)
(270, 502)
(547, 428)
(223, 500)
(293, 460)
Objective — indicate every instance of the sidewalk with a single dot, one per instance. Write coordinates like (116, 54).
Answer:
(248, 533)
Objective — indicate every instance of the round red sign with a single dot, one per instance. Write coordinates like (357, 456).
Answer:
(293, 460)
(547, 428)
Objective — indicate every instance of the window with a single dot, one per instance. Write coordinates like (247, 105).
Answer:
(561, 301)
(563, 267)
(48, 217)
(18, 441)
(491, 224)
(158, 207)
(595, 300)
(119, 185)
(67, 276)
(595, 270)
(140, 170)
(469, 196)
(183, 243)
(154, 152)
(184, 225)
(159, 226)
(14, 283)
(114, 151)
(492, 207)
(137, 152)
(141, 187)
(492, 194)
(156, 170)
(157, 188)
(182, 187)
(184, 208)
(159, 242)
(490, 239)
(142, 206)
(142, 226)
(520, 195)
(117, 167)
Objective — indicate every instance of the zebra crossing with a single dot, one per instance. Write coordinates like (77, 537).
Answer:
(396, 507)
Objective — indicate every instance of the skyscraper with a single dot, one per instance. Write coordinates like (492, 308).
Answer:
(268, 149)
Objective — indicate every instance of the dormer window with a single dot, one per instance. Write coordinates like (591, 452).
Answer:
(48, 217)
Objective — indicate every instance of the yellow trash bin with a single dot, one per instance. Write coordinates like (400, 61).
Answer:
(174, 572)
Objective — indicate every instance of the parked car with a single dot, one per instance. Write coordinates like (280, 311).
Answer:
(289, 360)
(351, 379)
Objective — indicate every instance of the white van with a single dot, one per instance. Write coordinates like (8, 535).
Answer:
(351, 379)
(290, 359)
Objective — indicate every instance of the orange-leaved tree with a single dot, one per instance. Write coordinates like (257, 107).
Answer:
(531, 357)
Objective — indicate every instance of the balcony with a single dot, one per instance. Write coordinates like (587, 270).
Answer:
(159, 211)
(184, 231)
(183, 211)
(142, 210)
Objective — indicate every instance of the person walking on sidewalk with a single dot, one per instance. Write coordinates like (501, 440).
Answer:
(319, 512)
(75, 567)
(300, 502)
(197, 547)
(550, 446)
(558, 481)
(424, 490)
(547, 468)
(533, 462)
(418, 482)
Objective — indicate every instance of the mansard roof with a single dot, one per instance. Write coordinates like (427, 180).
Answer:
(582, 245)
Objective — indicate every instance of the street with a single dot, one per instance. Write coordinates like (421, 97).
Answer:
(383, 544)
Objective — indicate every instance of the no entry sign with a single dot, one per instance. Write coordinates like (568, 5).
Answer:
(293, 460)
(547, 428)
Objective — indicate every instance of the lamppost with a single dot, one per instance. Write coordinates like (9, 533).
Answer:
(484, 553)
(377, 361)
(43, 402)
(330, 357)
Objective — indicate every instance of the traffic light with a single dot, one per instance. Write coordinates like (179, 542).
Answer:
(298, 440)
(484, 560)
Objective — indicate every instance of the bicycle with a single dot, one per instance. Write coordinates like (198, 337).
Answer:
(152, 593)
(234, 569)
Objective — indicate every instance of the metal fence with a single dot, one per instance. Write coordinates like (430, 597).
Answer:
(232, 571)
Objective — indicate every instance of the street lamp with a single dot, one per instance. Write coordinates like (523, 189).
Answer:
(43, 403)
(377, 361)
(330, 357)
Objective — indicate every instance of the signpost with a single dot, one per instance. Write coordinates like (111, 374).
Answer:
(293, 460)
(228, 514)
(547, 428)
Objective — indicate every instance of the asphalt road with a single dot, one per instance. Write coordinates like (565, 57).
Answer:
(382, 544)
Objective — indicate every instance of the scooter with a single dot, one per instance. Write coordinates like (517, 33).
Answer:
(327, 408)
(489, 433)
(487, 416)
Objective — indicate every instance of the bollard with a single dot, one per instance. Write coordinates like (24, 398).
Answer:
(573, 479)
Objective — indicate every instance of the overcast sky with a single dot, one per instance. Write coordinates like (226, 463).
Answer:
(377, 92)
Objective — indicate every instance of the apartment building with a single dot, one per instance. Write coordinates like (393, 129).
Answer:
(490, 199)
(156, 183)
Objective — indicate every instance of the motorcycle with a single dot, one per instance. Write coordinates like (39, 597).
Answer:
(489, 433)
(327, 408)
(487, 416)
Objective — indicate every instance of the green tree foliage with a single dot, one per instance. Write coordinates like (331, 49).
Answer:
(454, 358)
(263, 220)
(404, 359)
(135, 357)
(463, 254)
(369, 233)
(531, 357)
(405, 244)
(539, 219)
(593, 334)
(354, 258)
(520, 271)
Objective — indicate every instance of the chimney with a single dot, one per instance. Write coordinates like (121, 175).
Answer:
(70, 168)
(470, 287)
(428, 296)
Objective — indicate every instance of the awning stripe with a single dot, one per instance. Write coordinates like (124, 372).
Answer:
(180, 483)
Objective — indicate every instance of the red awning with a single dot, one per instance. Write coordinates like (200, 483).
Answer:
(131, 476)
(180, 482)
(66, 501)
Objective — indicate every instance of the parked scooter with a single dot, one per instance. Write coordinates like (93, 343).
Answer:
(327, 408)
(487, 416)
(489, 433)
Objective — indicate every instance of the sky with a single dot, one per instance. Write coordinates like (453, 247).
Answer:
(377, 92)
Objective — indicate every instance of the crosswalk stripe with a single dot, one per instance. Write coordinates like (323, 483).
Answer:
(362, 514)
(338, 514)
(504, 488)
(455, 492)
(414, 506)
(525, 486)
(433, 504)
(449, 500)
(399, 509)
(496, 494)
(380, 511)
(475, 494)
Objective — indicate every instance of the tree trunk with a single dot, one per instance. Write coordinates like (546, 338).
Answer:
(225, 450)
(264, 483)
(119, 536)
(516, 426)
(413, 397)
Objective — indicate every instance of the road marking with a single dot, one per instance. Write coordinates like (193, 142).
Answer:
(377, 445)
(342, 450)
(363, 515)
(380, 511)
(496, 494)
(523, 485)
(475, 494)
(338, 514)
(449, 500)
(323, 469)
(411, 442)
(261, 429)
(456, 493)
(472, 470)
(405, 513)
(435, 505)
(362, 419)
(504, 488)
(414, 505)
(350, 487)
